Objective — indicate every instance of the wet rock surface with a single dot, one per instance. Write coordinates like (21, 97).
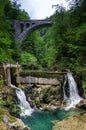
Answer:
(47, 97)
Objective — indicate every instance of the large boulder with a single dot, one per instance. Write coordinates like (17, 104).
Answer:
(82, 104)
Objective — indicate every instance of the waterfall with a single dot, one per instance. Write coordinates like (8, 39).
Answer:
(26, 110)
(74, 97)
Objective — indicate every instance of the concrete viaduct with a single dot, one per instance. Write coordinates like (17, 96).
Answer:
(23, 28)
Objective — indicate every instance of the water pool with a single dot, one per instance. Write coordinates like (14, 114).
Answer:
(42, 120)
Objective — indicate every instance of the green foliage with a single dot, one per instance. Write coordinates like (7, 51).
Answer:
(23, 15)
(8, 12)
(27, 58)
(34, 45)
(10, 105)
(62, 46)
(13, 108)
(2, 102)
(84, 84)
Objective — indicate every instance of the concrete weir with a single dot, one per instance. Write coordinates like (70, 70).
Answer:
(37, 80)
(42, 78)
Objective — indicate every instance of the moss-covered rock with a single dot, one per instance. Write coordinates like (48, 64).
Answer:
(9, 122)
(47, 97)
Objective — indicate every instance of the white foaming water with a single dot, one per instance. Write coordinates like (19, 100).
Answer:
(26, 110)
(74, 98)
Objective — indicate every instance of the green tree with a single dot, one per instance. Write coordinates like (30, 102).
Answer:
(27, 58)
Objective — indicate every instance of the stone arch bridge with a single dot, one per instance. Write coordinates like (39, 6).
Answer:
(23, 28)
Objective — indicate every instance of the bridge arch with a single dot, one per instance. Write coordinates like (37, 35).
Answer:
(23, 28)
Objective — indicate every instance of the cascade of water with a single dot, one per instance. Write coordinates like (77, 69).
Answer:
(24, 105)
(26, 110)
(74, 96)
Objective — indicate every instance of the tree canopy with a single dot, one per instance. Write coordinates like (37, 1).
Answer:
(59, 47)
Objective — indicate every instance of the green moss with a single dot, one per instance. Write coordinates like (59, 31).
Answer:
(40, 73)
(3, 111)
(1, 84)
(12, 118)
(0, 120)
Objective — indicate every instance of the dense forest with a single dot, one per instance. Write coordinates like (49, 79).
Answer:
(63, 46)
